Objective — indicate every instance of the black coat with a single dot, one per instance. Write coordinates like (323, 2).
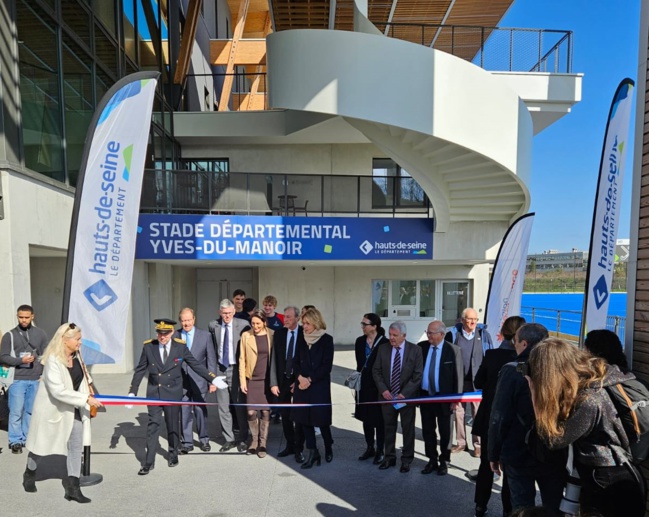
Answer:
(278, 363)
(316, 362)
(486, 380)
(451, 370)
(370, 413)
(165, 381)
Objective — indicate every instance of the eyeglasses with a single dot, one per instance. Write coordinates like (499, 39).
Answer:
(363, 324)
(430, 332)
(470, 319)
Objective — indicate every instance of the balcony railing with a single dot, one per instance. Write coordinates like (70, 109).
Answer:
(568, 322)
(199, 192)
(493, 48)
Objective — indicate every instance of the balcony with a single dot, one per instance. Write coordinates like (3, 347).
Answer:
(306, 195)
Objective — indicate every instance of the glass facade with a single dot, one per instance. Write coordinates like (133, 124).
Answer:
(70, 52)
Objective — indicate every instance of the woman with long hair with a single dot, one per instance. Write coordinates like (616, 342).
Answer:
(254, 375)
(604, 343)
(366, 347)
(572, 407)
(486, 379)
(313, 371)
(61, 418)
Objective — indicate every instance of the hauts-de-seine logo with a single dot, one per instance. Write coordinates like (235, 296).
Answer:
(600, 292)
(366, 247)
(100, 295)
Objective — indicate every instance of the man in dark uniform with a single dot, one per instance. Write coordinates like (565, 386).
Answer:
(162, 361)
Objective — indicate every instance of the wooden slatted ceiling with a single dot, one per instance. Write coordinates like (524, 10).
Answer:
(641, 317)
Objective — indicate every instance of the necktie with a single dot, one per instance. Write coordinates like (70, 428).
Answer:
(188, 340)
(289, 354)
(395, 378)
(432, 387)
(165, 353)
(226, 346)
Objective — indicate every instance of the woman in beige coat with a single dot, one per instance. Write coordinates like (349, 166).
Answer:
(61, 417)
(254, 375)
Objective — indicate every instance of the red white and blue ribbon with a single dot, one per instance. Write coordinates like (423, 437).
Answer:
(113, 400)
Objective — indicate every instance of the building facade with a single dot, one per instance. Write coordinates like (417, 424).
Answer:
(381, 161)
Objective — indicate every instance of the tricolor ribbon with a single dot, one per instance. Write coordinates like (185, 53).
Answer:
(113, 400)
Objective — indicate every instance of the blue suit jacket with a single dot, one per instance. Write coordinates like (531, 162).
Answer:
(203, 350)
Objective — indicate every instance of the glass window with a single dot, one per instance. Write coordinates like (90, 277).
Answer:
(106, 50)
(455, 298)
(128, 20)
(78, 106)
(40, 94)
(394, 187)
(404, 292)
(380, 297)
(427, 299)
(78, 19)
(105, 12)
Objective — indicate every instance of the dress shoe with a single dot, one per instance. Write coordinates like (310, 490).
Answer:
(242, 446)
(480, 511)
(378, 458)
(288, 451)
(443, 468)
(186, 450)
(477, 450)
(369, 452)
(173, 462)
(17, 448)
(329, 454)
(299, 457)
(405, 467)
(206, 447)
(386, 464)
(227, 446)
(457, 448)
(430, 467)
(145, 470)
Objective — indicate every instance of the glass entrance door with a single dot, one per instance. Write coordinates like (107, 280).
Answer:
(455, 297)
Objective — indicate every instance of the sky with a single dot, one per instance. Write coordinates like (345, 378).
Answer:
(566, 155)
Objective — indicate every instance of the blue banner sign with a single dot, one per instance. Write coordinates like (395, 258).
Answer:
(218, 237)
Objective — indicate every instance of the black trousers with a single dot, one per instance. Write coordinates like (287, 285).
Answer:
(433, 417)
(309, 435)
(612, 491)
(172, 421)
(485, 480)
(368, 431)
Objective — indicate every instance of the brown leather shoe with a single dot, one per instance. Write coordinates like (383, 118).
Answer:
(457, 448)
(477, 450)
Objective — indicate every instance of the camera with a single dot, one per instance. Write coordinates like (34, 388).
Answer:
(523, 368)
(570, 501)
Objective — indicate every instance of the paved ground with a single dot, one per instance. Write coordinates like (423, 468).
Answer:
(232, 484)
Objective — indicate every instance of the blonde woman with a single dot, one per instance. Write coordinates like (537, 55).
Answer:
(254, 375)
(572, 406)
(61, 418)
(315, 354)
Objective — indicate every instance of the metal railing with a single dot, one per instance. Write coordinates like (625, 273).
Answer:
(247, 193)
(492, 48)
(568, 322)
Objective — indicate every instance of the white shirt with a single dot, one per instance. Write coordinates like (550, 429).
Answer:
(402, 347)
(161, 348)
(468, 336)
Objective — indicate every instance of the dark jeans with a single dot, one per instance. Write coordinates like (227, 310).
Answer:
(551, 481)
(612, 491)
(485, 480)
(368, 431)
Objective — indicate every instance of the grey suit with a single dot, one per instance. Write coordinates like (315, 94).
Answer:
(411, 372)
(195, 388)
(232, 394)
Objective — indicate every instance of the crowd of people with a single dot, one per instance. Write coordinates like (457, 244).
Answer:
(545, 418)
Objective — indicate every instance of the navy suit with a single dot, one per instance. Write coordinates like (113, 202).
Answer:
(437, 415)
(165, 381)
(195, 388)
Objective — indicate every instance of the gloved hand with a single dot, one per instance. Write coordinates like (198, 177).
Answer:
(220, 383)
(130, 406)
